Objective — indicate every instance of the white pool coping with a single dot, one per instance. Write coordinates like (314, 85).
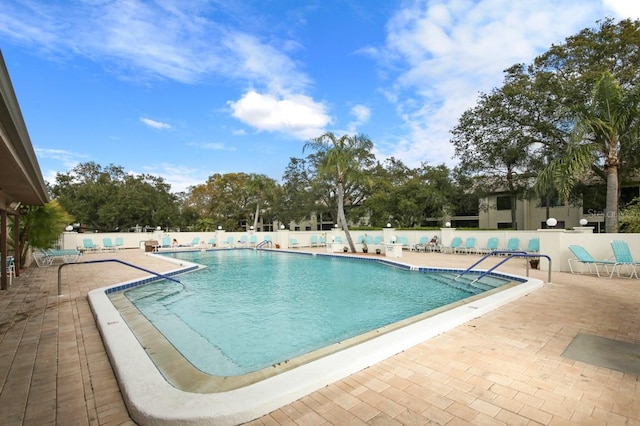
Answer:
(151, 400)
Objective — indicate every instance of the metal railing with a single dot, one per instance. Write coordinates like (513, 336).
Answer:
(511, 255)
(263, 243)
(113, 260)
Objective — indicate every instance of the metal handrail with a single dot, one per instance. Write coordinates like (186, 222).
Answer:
(113, 260)
(511, 254)
(263, 243)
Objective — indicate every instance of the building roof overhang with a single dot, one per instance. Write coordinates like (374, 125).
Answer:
(20, 176)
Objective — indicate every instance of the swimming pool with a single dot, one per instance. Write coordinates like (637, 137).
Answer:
(249, 310)
(154, 399)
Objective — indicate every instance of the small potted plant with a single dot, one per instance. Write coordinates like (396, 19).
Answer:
(277, 245)
(345, 249)
(378, 251)
(534, 262)
(365, 248)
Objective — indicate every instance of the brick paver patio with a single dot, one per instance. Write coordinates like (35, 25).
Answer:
(504, 368)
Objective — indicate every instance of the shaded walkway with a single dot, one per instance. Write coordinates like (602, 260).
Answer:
(503, 368)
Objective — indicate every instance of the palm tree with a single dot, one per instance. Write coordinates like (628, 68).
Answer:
(340, 159)
(607, 124)
(260, 187)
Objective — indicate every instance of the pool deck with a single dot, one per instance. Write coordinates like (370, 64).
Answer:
(505, 367)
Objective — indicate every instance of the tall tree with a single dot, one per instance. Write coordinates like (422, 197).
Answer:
(108, 199)
(490, 142)
(608, 122)
(342, 159)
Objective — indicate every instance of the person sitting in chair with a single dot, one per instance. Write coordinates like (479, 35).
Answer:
(434, 241)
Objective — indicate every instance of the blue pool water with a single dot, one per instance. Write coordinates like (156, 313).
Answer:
(251, 309)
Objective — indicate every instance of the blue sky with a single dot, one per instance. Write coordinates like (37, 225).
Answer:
(186, 89)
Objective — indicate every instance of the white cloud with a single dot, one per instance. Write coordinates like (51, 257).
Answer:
(297, 115)
(452, 50)
(179, 177)
(361, 113)
(155, 124)
(67, 158)
(623, 8)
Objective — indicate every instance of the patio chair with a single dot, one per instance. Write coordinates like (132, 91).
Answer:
(534, 245)
(492, 244)
(11, 269)
(229, 242)
(119, 243)
(243, 240)
(107, 244)
(293, 243)
(166, 242)
(583, 257)
(469, 246)
(212, 242)
(513, 244)
(88, 245)
(253, 240)
(314, 241)
(455, 245)
(624, 258)
(322, 242)
(195, 241)
(404, 241)
(421, 245)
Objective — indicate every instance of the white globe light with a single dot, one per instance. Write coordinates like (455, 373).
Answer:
(448, 224)
(219, 227)
(551, 222)
(281, 226)
(583, 222)
(388, 225)
(69, 228)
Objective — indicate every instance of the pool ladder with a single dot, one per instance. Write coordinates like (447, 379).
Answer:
(166, 277)
(511, 255)
(263, 244)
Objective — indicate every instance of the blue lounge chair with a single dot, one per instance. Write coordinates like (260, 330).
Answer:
(377, 240)
(107, 244)
(469, 246)
(195, 241)
(583, 257)
(243, 240)
(212, 242)
(229, 241)
(322, 242)
(404, 241)
(513, 244)
(88, 245)
(314, 241)
(455, 245)
(166, 242)
(338, 240)
(119, 243)
(421, 245)
(11, 269)
(293, 243)
(253, 240)
(534, 245)
(492, 244)
(624, 258)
